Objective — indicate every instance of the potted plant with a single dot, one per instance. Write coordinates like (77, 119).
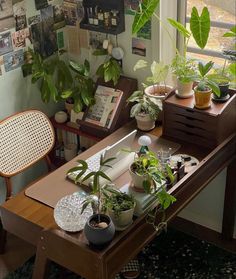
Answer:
(119, 206)
(144, 110)
(206, 85)
(155, 85)
(58, 83)
(110, 69)
(99, 229)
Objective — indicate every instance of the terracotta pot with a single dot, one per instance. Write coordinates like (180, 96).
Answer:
(144, 122)
(158, 91)
(99, 236)
(124, 219)
(202, 98)
(184, 90)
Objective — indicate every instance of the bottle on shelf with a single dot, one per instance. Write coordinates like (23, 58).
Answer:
(90, 16)
(95, 18)
(100, 17)
(107, 19)
(114, 18)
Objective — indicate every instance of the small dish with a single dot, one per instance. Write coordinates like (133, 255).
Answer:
(185, 96)
(67, 212)
(221, 100)
(189, 161)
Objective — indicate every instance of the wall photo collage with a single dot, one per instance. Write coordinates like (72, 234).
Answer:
(43, 31)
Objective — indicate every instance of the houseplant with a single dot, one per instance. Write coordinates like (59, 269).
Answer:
(57, 81)
(206, 85)
(144, 110)
(155, 85)
(119, 206)
(110, 69)
(99, 229)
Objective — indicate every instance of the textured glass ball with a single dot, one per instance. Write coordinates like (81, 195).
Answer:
(144, 140)
(60, 117)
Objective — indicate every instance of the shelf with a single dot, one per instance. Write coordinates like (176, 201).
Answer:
(95, 28)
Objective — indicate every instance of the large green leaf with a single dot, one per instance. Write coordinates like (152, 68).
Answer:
(232, 69)
(140, 64)
(145, 12)
(159, 72)
(179, 27)
(231, 33)
(51, 88)
(200, 26)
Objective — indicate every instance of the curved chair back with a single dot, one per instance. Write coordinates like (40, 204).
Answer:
(25, 138)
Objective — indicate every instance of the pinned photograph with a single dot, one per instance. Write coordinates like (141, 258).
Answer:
(40, 4)
(19, 10)
(138, 47)
(19, 38)
(47, 13)
(5, 43)
(13, 60)
(131, 6)
(59, 18)
(145, 31)
(6, 15)
(34, 19)
(70, 13)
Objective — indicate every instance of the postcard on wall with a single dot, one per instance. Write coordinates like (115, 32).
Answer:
(5, 43)
(59, 18)
(34, 19)
(13, 60)
(73, 40)
(70, 12)
(19, 10)
(131, 6)
(19, 38)
(145, 31)
(105, 108)
(7, 20)
(40, 4)
(138, 47)
(60, 40)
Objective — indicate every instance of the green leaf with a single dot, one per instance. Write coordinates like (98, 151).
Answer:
(140, 64)
(86, 68)
(200, 26)
(77, 67)
(215, 88)
(52, 88)
(66, 94)
(179, 27)
(159, 72)
(102, 163)
(144, 14)
(232, 69)
(92, 173)
(102, 174)
(231, 33)
(36, 76)
(147, 186)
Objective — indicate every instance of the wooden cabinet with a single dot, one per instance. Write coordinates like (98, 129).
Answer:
(104, 16)
(203, 127)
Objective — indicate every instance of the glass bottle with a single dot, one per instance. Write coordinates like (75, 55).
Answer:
(95, 18)
(107, 19)
(90, 16)
(100, 17)
(114, 18)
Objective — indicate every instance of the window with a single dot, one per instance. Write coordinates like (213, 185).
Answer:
(222, 19)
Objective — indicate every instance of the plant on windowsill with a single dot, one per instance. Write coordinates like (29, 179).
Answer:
(99, 229)
(206, 85)
(144, 110)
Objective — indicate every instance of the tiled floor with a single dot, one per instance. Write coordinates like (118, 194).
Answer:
(17, 253)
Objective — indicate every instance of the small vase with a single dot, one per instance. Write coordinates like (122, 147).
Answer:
(96, 236)
(60, 117)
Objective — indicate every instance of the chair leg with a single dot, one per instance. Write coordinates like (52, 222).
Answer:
(3, 239)
(42, 263)
(8, 188)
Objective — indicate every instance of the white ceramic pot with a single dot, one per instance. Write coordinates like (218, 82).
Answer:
(158, 91)
(184, 90)
(144, 122)
(60, 117)
(124, 219)
(137, 180)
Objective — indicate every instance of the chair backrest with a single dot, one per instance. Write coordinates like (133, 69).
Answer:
(25, 138)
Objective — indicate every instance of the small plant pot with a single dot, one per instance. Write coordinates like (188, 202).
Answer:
(202, 98)
(144, 122)
(158, 91)
(137, 180)
(184, 90)
(99, 236)
(224, 93)
(123, 220)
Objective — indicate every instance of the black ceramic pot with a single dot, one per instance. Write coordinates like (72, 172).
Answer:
(224, 90)
(99, 236)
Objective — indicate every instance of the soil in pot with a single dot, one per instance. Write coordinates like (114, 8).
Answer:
(99, 230)
(158, 91)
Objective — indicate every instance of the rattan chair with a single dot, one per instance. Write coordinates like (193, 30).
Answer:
(25, 138)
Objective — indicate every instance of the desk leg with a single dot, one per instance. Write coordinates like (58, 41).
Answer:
(41, 265)
(229, 203)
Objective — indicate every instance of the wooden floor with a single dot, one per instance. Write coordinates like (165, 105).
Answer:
(17, 253)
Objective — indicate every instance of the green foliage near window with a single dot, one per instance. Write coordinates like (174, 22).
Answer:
(143, 105)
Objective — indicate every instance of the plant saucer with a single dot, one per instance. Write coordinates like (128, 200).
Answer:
(221, 100)
(185, 96)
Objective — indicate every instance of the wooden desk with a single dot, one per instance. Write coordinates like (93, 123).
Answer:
(26, 217)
